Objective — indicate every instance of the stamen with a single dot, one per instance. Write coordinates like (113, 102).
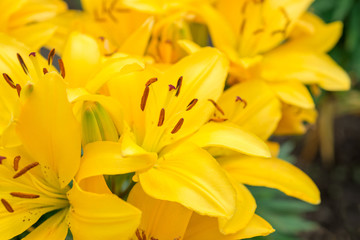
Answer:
(7, 205)
(45, 71)
(144, 98)
(217, 106)
(218, 119)
(16, 162)
(152, 238)
(25, 169)
(9, 80)
(32, 54)
(151, 81)
(242, 27)
(62, 68)
(36, 64)
(51, 56)
(18, 89)
(143, 235)
(191, 104)
(243, 8)
(239, 99)
(171, 87)
(22, 63)
(138, 234)
(161, 117)
(178, 86)
(178, 126)
(1, 159)
(258, 31)
(24, 195)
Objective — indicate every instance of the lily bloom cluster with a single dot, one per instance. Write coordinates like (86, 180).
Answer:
(156, 116)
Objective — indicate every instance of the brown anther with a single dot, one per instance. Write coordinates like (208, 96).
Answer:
(18, 89)
(217, 106)
(239, 99)
(24, 195)
(1, 159)
(242, 27)
(16, 162)
(137, 233)
(143, 235)
(191, 104)
(144, 98)
(45, 71)
(218, 119)
(9, 80)
(151, 81)
(7, 205)
(51, 56)
(22, 63)
(178, 86)
(244, 6)
(62, 68)
(152, 238)
(171, 87)
(258, 31)
(178, 126)
(161, 117)
(32, 54)
(25, 169)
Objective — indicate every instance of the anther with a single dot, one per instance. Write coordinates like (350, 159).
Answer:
(144, 98)
(161, 117)
(45, 71)
(1, 159)
(18, 89)
(178, 126)
(178, 86)
(218, 119)
(25, 169)
(16, 162)
(258, 31)
(62, 68)
(239, 99)
(22, 63)
(32, 54)
(151, 81)
(191, 104)
(51, 56)
(217, 106)
(171, 88)
(138, 234)
(242, 27)
(24, 195)
(7, 205)
(9, 80)
(143, 235)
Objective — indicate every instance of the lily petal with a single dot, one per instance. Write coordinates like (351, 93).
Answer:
(190, 176)
(112, 158)
(48, 112)
(273, 173)
(156, 214)
(101, 216)
(230, 136)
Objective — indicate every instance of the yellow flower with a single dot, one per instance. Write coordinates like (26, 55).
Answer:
(25, 20)
(36, 176)
(169, 220)
(161, 111)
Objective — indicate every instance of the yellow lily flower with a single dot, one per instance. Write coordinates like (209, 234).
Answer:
(36, 176)
(25, 20)
(169, 220)
(159, 118)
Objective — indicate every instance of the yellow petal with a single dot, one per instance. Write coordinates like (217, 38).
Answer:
(55, 227)
(290, 63)
(190, 176)
(293, 93)
(245, 210)
(114, 158)
(294, 120)
(137, 42)
(321, 38)
(48, 128)
(160, 219)
(260, 111)
(81, 59)
(201, 227)
(101, 216)
(230, 136)
(273, 173)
